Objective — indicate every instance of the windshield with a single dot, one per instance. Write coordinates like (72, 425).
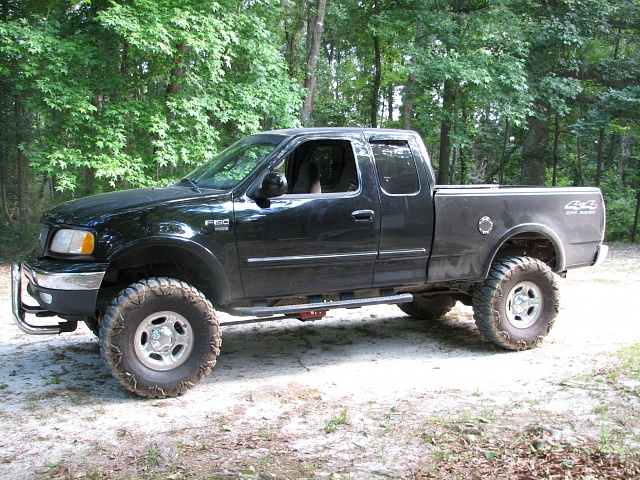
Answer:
(230, 167)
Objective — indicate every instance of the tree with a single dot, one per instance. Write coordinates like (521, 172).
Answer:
(314, 39)
(183, 78)
(114, 94)
(469, 58)
(558, 33)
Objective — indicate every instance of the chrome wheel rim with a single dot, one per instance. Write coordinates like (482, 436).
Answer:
(164, 340)
(524, 305)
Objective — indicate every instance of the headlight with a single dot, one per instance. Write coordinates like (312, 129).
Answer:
(76, 242)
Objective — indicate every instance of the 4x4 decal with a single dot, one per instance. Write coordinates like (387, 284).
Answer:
(577, 207)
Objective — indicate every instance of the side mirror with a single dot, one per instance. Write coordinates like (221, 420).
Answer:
(273, 185)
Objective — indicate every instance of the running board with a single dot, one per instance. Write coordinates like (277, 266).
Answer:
(318, 306)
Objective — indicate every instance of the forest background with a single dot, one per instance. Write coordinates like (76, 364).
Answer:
(103, 95)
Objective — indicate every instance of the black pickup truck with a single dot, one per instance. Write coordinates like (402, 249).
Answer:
(293, 223)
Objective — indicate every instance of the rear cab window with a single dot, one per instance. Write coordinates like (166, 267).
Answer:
(396, 167)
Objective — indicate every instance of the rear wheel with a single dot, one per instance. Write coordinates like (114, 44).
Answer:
(160, 337)
(428, 307)
(517, 304)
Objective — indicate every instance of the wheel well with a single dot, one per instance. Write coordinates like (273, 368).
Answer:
(160, 261)
(531, 244)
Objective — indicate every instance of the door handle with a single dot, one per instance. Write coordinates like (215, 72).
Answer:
(361, 216)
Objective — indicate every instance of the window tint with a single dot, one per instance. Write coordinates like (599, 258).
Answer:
(323, 156)
(322, 166)
(396, 167)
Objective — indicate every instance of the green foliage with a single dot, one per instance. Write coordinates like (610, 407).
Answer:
(335, 421)
(16, 240)
(102, 95)
(624, 363)
(132, 93)
(621, 205)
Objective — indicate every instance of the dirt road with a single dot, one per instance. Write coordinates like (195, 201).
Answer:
(366, 393)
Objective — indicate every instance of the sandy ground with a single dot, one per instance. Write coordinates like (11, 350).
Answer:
(364, 393)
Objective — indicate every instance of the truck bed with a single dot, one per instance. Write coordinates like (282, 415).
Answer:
(472, 222)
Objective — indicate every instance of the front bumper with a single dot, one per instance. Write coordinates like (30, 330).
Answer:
(71, 295)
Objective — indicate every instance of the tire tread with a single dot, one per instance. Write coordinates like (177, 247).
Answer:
(113, 323)
(487, 317)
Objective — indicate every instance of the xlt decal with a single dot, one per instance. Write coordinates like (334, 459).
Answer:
(577, 207)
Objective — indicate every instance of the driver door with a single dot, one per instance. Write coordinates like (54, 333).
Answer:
(320, 237)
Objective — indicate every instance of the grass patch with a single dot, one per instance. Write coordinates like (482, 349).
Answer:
(333, 424)
(518, 459)
(625, 364)
(151, 456)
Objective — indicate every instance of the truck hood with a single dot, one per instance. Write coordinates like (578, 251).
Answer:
(93, 210)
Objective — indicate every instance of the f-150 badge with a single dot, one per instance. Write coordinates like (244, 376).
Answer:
(218, 225)
(577, 207)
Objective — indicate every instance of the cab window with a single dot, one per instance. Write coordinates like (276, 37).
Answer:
(396, 167)
(321, 166)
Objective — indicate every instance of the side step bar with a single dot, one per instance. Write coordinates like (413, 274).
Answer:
(319, 306)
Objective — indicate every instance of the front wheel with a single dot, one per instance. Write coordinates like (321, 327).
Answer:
(517, 304)
(159, 337)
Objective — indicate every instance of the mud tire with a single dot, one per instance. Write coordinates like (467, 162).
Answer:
(428, 307)
(517, 304)
(160, 337)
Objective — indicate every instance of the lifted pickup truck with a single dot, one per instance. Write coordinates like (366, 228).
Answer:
(293, 223)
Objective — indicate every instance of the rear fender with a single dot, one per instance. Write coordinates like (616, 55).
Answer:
(528, 228)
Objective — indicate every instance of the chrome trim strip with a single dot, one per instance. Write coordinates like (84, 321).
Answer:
(408, 252)
(309, 258)
(64, 281)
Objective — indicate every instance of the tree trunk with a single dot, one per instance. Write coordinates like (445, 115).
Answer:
(556, 134)
(22, 188)
(634, 231)
(455, 157)
(504, 155)
(409, 91)
(377, 81)
(23, 206)
(610, 156)
(599, 158)
(579, 181)
(3, 189)
(293, 31)
(625, 154)
(390, 102)
(534, 152)
(407, 99)
(444, 154)
(316, 24)
(178, 70)
(444, 162)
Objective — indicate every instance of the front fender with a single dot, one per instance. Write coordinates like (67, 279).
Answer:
(185, 250)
